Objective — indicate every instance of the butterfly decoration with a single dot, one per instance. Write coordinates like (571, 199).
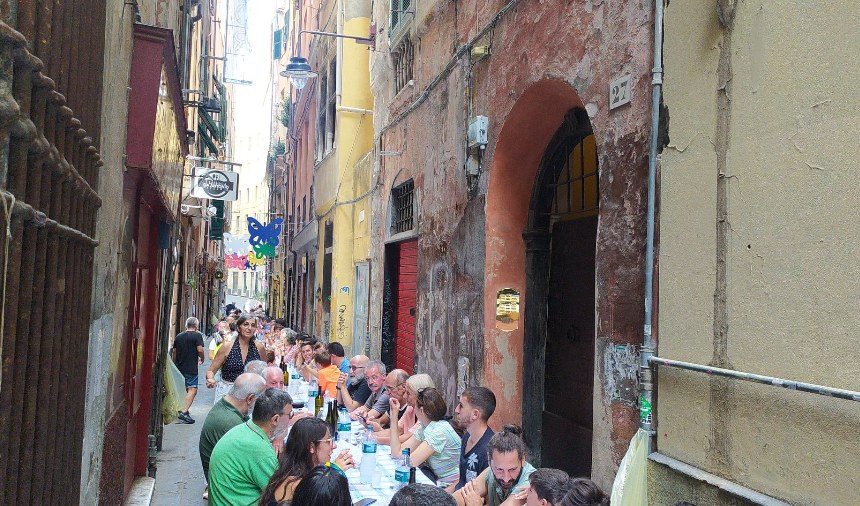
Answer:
(263, 238)
(235, 261)
(236, 243)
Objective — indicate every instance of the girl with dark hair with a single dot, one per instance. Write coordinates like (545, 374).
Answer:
(233, 355)
(434, 442)
(323, 486)
(309, 445)
(547, 487)
(584, 492)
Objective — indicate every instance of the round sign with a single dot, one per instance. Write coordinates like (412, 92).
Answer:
(215, 183)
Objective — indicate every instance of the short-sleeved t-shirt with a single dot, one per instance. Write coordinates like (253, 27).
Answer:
(344, 366)
(445, 442)
(378, 401)
(496, 495)
(221, 418)
(327, 378)
(473, 462)
(186, 345)
(359, 392)
(242, 463)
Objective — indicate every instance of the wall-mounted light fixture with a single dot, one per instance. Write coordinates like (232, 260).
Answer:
(298, 70)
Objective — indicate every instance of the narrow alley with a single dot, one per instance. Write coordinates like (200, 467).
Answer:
(447, 252)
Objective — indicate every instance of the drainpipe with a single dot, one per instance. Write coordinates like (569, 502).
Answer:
(648, 349)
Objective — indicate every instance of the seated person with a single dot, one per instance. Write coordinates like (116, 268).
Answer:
(327, 373)
(506, 481)
(323, 486)
(547, 487)
(355, 384)
(584, 492)
(377, 403)
(435, 442)
(421, 494)
(243, 459)
(305, 360)
(476, 406)
(309, 444)
(395, 383)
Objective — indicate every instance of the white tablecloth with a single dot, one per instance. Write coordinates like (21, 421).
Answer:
(384, 462)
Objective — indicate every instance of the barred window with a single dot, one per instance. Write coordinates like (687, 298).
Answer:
(403, 210)
(403, 58)
(399, 10)
(576, 190)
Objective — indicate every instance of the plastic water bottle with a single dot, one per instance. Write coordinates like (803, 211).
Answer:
(313, 390)
(344, 424)
(401, 472)
(368, 459)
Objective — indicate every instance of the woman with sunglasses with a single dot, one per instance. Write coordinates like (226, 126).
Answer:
(309, 444)
(233, 356)
(434, 442)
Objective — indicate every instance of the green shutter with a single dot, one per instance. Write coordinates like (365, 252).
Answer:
(217, 133)
(207, 141)
(278, 45)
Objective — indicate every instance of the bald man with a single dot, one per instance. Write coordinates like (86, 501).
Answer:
(353, 390)
(274, 377)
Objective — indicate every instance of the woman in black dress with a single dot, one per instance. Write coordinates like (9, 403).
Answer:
(232, 356)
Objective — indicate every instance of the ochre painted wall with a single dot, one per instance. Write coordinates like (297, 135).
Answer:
(784, 135)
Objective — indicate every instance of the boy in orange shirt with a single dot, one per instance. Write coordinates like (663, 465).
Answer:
(328, 373)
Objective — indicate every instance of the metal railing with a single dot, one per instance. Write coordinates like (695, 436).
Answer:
(51, 59)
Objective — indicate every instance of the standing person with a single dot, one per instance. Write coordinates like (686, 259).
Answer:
(338, 357)
(227, 413)
(505, 481)
(476, 406)
(243, 460)
(187, 355)
(232, 357)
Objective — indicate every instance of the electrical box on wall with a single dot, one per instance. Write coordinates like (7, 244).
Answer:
(478, 128)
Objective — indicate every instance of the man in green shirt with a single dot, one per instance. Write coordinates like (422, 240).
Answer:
(227, 413)
(244, 460)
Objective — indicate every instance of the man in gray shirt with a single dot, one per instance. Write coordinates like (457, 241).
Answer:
(377, 403)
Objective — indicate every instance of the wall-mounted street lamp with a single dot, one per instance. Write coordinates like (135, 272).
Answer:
(298, 69)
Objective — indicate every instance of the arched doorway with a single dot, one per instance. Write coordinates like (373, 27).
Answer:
(560, 239)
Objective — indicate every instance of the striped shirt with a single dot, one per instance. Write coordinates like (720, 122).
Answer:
(445, 442)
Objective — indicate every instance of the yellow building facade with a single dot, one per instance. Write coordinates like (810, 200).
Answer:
(344, 140)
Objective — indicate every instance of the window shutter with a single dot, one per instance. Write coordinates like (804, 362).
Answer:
(277, 46)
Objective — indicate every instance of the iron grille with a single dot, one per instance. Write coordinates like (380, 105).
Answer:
(403, 218)
(403, 58)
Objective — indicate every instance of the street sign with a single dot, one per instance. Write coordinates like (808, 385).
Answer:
(215, 184)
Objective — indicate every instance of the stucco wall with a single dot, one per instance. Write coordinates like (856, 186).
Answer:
(764, 109)
(110, 287)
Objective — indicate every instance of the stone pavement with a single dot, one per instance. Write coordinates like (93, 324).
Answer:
(179, 479)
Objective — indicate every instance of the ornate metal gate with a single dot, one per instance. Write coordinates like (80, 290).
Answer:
(51, 66)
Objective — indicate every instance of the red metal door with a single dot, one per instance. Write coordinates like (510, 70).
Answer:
(407, 287)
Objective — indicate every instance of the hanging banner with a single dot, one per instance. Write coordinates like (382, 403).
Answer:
(215, 184)
(264, 237)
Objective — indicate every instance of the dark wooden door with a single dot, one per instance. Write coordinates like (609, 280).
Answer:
(569, 376)
(407, 284)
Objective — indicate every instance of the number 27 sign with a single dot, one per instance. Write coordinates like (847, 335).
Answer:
(619, 92)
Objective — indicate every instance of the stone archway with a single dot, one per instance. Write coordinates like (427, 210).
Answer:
(509, 358)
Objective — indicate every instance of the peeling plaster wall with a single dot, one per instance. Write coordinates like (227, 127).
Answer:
(758, 243)
(111, 282)
(463, 260)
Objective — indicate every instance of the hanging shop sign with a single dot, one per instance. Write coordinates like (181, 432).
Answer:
(215, 184)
